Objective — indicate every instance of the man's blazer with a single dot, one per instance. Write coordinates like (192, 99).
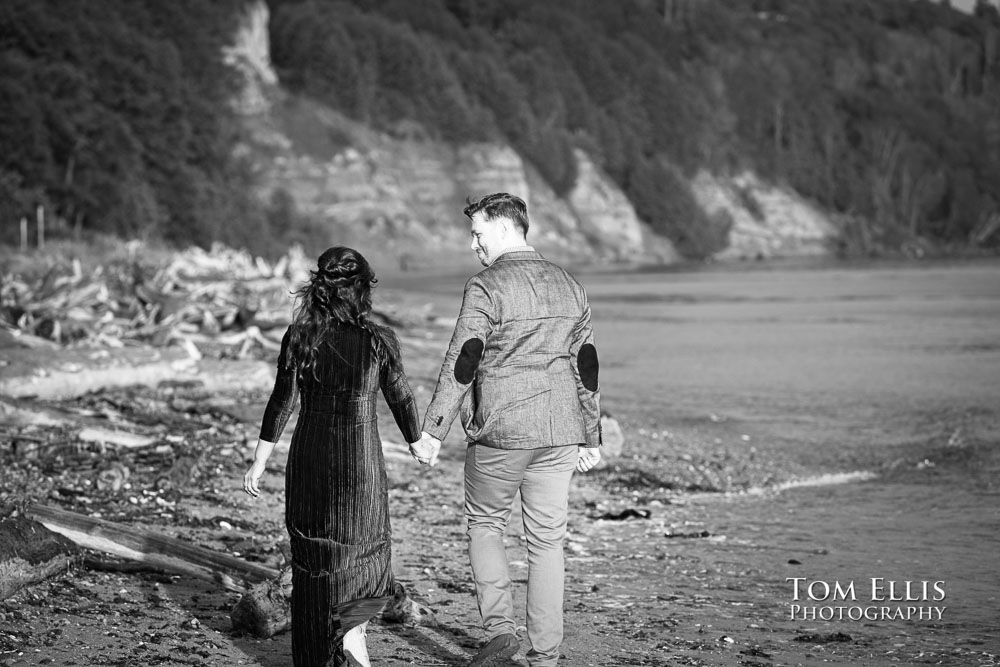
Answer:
(521, 369)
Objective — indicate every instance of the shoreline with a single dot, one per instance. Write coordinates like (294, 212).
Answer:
(660, 570)
(727, 266)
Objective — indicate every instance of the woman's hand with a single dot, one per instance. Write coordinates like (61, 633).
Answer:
(425, 451)
(251, 480)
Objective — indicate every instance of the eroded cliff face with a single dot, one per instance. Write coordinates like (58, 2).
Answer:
(407, 196)
(404, 197)
(768, 221)
(250, 55)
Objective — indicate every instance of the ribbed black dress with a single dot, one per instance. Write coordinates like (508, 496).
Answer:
(336, 491)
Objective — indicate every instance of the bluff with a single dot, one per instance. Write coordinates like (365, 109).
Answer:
(400, 196)
(733, 128)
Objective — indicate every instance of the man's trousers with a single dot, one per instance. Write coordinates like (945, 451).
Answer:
(492, 479)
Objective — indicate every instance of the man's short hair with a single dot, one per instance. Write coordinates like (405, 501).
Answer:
(500, 205)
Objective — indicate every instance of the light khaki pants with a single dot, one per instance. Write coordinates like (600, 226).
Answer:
(492, 478)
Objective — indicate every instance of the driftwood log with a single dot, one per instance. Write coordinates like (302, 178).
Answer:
(30, 553)
(159, 551)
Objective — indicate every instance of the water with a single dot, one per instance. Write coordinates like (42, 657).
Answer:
(854, 343)
(889, 374)
(862, 366)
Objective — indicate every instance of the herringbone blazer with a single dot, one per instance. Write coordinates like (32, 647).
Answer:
(521, 370)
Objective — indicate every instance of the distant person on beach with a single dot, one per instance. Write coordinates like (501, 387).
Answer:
(335, 360)
(521, 373)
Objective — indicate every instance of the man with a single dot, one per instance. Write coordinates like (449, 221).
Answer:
(521, 372)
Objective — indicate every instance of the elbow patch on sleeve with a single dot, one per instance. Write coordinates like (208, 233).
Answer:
(468, 360)
(586, 361)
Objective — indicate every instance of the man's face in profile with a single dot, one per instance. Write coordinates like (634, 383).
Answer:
(486, 237)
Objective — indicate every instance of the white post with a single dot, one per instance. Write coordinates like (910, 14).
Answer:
(40, 212)
(24, 233)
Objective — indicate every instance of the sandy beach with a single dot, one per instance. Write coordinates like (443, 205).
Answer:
(827, 435)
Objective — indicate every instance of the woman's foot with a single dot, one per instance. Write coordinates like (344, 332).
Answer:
(356, 646)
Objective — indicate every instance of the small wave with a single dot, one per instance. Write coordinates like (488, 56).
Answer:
(828, 479)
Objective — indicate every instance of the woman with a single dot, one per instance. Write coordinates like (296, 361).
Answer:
(336, 499)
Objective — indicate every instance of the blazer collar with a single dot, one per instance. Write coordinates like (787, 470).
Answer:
(518, 254)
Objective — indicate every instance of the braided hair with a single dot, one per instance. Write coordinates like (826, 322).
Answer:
(339, 290)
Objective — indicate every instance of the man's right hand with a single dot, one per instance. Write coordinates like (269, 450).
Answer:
(589, 457)
(426, 450)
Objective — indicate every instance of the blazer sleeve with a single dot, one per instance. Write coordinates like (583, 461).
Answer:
(583, 356)
(282, 401)
(476, 320)
(396, 390)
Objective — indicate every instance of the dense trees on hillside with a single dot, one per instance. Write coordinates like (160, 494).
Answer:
(116, 117)
(884, 112)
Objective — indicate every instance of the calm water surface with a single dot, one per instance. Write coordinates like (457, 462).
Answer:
(848, 342)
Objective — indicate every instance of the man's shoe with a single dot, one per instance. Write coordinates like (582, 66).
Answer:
(498, 651)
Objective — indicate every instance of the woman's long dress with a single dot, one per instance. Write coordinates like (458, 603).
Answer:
(336, 491)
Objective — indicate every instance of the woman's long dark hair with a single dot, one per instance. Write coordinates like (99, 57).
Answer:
(339, 290)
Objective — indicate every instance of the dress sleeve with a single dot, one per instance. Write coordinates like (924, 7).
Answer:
(396, 390)
(282, 402)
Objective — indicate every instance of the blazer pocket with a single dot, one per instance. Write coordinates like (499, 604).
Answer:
(475, 421)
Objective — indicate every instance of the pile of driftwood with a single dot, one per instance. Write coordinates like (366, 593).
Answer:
(222, 300)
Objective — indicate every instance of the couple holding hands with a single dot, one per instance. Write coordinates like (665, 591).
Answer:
(521, 373)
